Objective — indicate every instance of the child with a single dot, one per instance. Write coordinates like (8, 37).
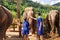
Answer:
(25, 30)
(39, 26)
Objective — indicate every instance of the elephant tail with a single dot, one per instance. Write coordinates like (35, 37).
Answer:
(48, 24)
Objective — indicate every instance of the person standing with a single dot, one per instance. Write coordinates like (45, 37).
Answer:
(39, 26)
(25, 30)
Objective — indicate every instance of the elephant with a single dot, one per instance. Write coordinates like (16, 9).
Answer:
(5, 21)
(28, 12)
(52, 21)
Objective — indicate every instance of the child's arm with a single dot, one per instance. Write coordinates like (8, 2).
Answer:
(41, 23)
(33, 18)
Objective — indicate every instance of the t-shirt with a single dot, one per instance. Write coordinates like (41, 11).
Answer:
(38, 22)
(25, 25)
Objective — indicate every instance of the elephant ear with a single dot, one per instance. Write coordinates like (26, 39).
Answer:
(24, 15)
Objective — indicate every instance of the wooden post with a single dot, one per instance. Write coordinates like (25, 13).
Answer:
(18, 16)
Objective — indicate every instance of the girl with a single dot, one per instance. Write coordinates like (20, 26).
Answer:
(25, 30)
(39, 26)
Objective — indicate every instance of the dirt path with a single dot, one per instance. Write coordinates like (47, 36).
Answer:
(13, 39)
(32, 38)
(14, 36)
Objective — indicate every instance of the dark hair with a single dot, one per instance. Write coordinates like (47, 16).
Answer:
(39, 13)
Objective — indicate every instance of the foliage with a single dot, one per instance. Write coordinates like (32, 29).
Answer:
(14, 14)
(12, 5)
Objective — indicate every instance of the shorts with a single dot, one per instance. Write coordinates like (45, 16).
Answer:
(25, 32)
(40, 32)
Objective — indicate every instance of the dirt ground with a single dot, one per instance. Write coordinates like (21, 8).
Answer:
(14, 36)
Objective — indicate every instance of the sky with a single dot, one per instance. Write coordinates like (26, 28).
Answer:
(49, 2)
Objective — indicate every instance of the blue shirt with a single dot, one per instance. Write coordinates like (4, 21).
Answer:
(38, 23)
(25, 25)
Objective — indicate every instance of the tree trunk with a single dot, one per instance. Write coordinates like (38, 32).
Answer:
(18, 16)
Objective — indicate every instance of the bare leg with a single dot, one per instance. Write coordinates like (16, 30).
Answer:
(41, 37)
(38, 37)
(25, 37)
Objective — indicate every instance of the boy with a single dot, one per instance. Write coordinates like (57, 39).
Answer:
(39, 26)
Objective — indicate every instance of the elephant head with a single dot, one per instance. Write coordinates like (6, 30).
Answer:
(29, 11)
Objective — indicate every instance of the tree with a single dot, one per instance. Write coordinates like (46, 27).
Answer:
(18, 16)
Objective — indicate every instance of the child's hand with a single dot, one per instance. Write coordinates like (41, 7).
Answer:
(31, 17)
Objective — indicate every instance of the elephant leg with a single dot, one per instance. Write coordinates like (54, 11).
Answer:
(1, 34)
(52, 30)
(4, 30)
(33, 30)
(56, 30)
(4, 35)
(52, 27)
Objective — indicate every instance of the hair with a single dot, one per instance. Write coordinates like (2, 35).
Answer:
(39, 13)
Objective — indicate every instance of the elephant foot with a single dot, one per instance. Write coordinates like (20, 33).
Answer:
(4, 38)
(56, 35)
(30, 34)
(51, 34)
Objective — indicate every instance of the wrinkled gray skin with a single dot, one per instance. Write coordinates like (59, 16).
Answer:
(5, 21)
(53, 21)
(29, 11)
